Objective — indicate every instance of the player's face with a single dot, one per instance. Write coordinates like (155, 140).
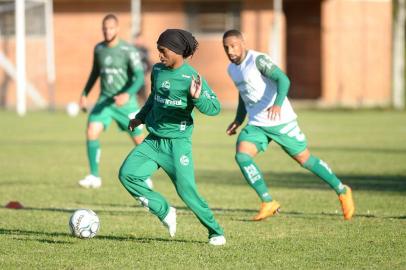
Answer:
(110, 30)
(168, 57)
(235, 49)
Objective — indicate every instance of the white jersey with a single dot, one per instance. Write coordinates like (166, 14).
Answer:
(258, 92)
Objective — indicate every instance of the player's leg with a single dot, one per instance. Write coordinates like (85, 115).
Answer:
(293, 141)
(136, 168)
(178, 163)
(99, 120)
(122, 116)
(250, 141)
(322, 170)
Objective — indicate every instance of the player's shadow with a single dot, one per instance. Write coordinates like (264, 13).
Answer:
(306, 180)
(50, 237)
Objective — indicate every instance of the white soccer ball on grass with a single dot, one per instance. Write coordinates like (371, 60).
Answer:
(84, 223)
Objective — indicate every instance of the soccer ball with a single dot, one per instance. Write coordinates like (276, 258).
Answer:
(72, 109)
(84, 223)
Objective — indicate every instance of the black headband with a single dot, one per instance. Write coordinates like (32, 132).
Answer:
(179, 41)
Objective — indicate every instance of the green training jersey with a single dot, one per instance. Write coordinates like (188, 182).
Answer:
(168, 110)
(120, 70)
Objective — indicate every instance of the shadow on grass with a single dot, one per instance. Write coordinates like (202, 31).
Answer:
(306, 180)
(14, 232)
(183, 210)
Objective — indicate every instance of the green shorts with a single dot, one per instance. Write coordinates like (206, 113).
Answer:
(288, 136)
(105, 111)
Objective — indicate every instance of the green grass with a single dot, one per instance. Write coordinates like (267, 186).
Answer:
(42, 156)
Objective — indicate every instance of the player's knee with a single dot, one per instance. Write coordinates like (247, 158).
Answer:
(129, 175)
(242, 157)
(94, 130)
(123, 174)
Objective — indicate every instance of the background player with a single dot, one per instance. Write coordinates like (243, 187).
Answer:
(118, 65)
(263, 88)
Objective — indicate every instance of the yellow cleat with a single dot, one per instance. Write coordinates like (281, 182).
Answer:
(268, 209)
(347, 203)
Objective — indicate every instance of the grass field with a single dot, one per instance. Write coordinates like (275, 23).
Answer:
(42, 156)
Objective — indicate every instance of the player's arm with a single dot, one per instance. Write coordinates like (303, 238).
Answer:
(273, 72)
(239, 117)
(204, 99)
(241, 111)
(94, 74)
(137, 79)
(142, 114)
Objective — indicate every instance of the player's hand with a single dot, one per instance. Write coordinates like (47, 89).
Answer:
(121, 99)
(83, 103)
(196, 86)
(133, 124)
(274, 113)
(232, 128)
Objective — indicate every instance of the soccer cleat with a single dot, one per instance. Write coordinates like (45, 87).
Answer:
(170, 221)
(90, 181)
(347, 203)
(219, 240)
(267, 209)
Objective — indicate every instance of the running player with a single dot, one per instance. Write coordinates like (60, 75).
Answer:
(263, 90)
(176, 89)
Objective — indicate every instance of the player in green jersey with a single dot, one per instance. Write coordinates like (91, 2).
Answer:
(176, 88)
(263, 89)
(118, 65)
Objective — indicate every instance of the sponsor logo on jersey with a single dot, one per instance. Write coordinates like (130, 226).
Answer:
(186, 76)
(166, 85)
(108, 60)
(184, 160)
(167, 101)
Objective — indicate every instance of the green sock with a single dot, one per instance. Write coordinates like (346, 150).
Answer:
(322, 170)
(253, 176)
(93, 155)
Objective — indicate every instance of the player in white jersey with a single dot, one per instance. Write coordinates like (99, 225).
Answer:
(263, 89)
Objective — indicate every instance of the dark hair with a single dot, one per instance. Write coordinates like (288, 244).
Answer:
(179, 41)
(110, 16)
(232, 33)
(194, 47)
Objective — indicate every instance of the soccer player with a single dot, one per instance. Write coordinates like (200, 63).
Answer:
(263, 89)
(118, 65)
(176, 88)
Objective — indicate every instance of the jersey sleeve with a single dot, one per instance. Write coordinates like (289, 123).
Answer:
(207, 103)
(148, 104)
(94, 74)
(273, 72)
(241, 111)
(136, 81)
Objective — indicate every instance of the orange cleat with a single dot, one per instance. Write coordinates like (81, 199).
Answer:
(347, 203)
(268, 209)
